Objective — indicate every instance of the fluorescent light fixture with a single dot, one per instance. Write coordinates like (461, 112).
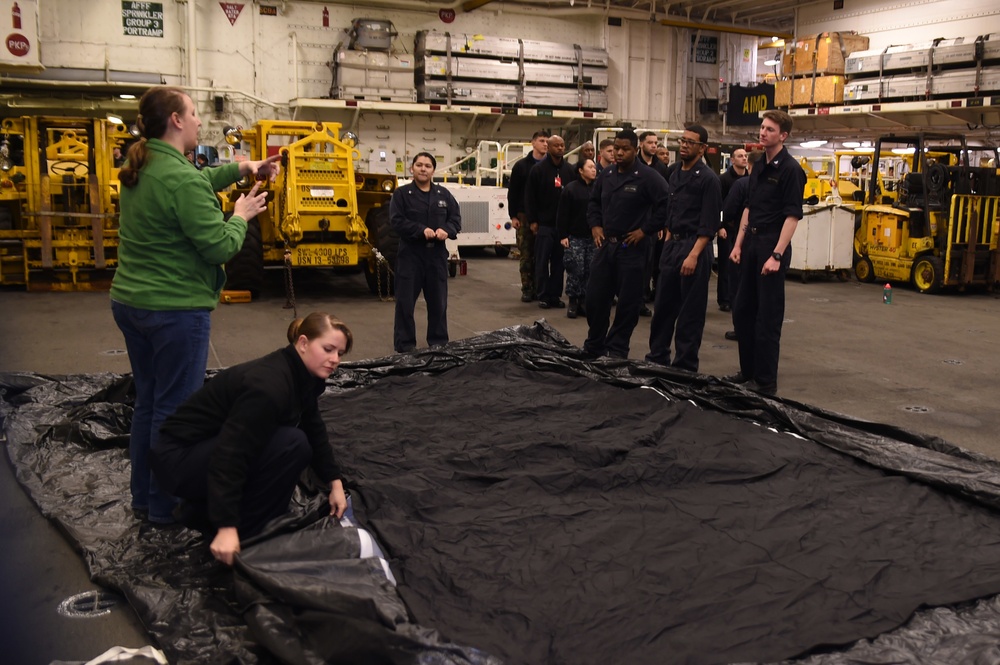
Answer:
(903, 151)
(772, 62)
(114, 119)
(868, 149)
(126, 96)
(852, 144)
(812, 144)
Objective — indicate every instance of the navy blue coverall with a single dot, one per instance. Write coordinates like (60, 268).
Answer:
(422, 264)
(776, 189)
(728, 274)
(733, 205)
(541, 202)
(619, 204)
(682, 300)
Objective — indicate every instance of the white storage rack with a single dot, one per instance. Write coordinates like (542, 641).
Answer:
(959, 52)
(465, 68)
(949, 83)
(960, 68)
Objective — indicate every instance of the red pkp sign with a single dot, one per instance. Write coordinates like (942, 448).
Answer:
(18, 44)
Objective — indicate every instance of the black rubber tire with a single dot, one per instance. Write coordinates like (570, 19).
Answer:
(245, 271)
(384, 238)
(937, 177)
(503, 251)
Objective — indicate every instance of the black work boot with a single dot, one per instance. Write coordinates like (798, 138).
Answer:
(574, 306)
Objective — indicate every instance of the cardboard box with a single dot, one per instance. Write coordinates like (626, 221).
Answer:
(825, 53)
(827, 91)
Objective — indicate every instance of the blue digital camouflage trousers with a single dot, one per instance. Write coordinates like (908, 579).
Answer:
(577, 260)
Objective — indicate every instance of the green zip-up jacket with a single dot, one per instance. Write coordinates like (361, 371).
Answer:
(173, 239)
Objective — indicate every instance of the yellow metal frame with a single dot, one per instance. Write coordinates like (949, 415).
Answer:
(318, 187)
(975, 223)
(64, 213)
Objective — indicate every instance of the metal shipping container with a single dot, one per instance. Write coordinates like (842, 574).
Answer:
(952, 83)
(467, 92)
(372, 69)
(959, 52)
(439, 66)
(432, 41)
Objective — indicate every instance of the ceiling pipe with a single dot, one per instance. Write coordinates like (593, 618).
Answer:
(470, 5)
(607, 10)
(191, 34)
(41, 84)
(716, 27)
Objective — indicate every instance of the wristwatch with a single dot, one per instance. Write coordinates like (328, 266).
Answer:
(776, 256)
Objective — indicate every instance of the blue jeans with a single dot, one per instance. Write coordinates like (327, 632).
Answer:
(168, 351)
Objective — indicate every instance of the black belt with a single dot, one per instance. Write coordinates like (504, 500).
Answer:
(612, 239)
(680, 236)
(765, 228)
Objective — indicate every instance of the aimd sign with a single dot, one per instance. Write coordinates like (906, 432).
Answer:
(142, 19)
(746, 103)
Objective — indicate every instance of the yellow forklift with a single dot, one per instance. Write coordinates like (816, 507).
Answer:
(942, 229)
(59, 202)
(321, 212)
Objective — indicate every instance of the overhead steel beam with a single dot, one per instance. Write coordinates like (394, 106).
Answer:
(716, 27)
(470, 5)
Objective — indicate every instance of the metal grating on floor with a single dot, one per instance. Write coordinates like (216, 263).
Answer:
(88, 605)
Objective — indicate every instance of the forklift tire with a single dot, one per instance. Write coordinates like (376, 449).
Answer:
(928, 274)
(937, 177)
(502, 251)
(382, 236)
(863, 269)
(245, 271)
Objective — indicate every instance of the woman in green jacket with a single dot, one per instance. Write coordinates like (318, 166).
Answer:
(173, 240)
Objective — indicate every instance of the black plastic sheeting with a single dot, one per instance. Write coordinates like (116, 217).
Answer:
(537, 507)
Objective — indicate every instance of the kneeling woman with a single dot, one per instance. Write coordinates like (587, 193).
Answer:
(236, 448)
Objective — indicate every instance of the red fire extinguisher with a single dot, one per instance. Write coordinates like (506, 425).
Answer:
(16, 16)
(326, 17)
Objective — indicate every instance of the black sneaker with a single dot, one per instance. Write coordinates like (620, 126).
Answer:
(527, 297)
(725, 307)
(736, 378)
(645, 311)
(731, 335)
(553, 303)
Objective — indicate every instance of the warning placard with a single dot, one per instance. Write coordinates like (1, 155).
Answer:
(19, 22)
(232, 10)
(142, 19)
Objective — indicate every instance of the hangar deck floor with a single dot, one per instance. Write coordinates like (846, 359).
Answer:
(925, 363)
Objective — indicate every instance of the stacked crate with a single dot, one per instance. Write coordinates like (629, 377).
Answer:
(813, 69)
(367, 69)
(477, 69)
(962, 67)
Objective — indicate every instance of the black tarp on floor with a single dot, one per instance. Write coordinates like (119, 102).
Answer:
(546, 509)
